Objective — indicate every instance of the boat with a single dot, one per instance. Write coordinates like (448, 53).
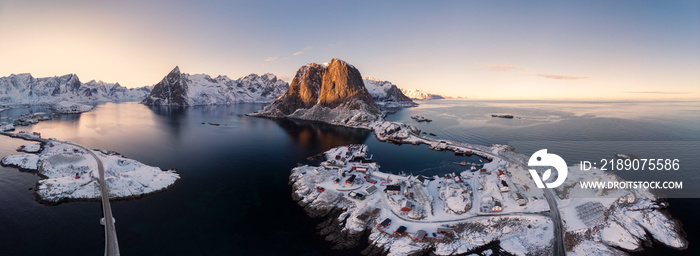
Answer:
(463, 163)
(462, 152)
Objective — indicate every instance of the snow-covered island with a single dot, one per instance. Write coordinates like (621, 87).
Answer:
(67, 107)
(70, 172)
(470, 211)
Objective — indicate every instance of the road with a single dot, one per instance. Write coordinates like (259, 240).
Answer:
(111, 244)
(559, 248)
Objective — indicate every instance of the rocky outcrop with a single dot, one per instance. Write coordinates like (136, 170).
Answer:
(26, 89)
(334, 94)
(387, 94)
(171, 91)
(182, 89)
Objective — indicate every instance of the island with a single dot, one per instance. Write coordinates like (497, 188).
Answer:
(69, 171)
(463, 212)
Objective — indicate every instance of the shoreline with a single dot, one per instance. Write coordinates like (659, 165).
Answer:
(380, 130)
(106, 153)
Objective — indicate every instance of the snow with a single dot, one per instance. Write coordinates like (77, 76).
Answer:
(71, 173)
(420, 95)
(30, 148)
(599, 221)
(6, 127)
(24, 161)
(66, 107)
(386, 94)
(25, 89)
(202, 89)
(433, 207)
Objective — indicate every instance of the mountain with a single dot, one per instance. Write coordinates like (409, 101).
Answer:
(182, 89)
(420, 95)
(387, 94)
(26, 89)
(334, 94)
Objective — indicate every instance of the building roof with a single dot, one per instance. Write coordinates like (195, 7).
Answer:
(363, 216)
(400, 230)
(371, 189)
(385, 222)
(420, 234)
(442, 229)
(393, 188)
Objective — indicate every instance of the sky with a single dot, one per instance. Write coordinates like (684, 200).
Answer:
(588, 50)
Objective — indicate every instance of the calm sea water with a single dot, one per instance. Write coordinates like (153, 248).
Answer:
(233, 198)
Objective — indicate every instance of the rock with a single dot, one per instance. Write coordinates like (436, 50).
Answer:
(181, 89)
(335, 94)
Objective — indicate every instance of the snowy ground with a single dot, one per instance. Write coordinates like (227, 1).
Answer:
(603, 222)
(71, 173)
(6, 127)
(445, 201)
(30, 148)
(66, 107)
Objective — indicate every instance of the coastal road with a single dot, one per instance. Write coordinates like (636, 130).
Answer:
(111, 244)
(558, 248)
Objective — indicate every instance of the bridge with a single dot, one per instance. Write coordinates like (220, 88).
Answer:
(111, 244)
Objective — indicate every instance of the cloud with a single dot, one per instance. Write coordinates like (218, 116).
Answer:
(271, 59)
(561, 77)
(658, 92)
(498, 68)
(308, 48)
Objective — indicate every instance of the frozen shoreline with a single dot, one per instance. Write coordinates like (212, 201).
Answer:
(70, 173)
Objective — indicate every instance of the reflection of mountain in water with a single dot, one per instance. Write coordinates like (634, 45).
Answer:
(173, 118)
(318, 137)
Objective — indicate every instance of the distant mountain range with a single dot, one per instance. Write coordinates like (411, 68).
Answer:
(386, 94)
(26, 89)
(334, 94)
(420, 95)
(182, 89)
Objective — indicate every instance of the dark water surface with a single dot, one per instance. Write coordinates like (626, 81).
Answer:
(233, 198)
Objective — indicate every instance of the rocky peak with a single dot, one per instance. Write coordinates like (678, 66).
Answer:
(172, 90)
(334, 93)
(341, 82)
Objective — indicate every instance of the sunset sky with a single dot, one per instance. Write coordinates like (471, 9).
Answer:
(484, 50)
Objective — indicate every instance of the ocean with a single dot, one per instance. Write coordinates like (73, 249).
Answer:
(234, 197)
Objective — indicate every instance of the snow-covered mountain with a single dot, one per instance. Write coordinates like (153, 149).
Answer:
(333, 94)
(387, 94)
(420, 95)
(182, 89)
(25, 89)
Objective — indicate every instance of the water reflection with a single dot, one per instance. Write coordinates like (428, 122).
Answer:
(317, 137)
(170, 119)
